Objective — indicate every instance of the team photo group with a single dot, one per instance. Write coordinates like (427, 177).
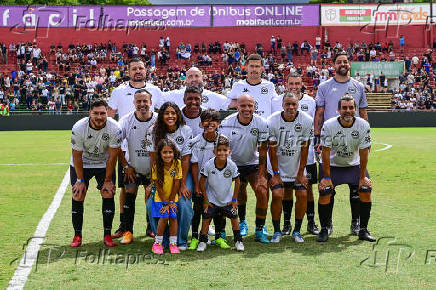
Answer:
(195, 166)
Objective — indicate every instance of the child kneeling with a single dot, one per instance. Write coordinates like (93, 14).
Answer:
(219, 198)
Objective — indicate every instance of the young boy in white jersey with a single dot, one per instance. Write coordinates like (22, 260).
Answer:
(219, 197)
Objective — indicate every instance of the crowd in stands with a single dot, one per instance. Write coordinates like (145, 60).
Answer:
(65, 79)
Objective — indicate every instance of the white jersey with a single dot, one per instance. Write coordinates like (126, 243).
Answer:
(306, 104)
(244, 139)
(193, 123)
(202, 151)
(181, 137)
(209, 99)
(135, 131)
(345, 142)
(219, 181)
(95, 143)
(263, 94)
(289, 136)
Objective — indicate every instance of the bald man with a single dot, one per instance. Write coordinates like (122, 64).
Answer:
(209, 99)
(248, 134)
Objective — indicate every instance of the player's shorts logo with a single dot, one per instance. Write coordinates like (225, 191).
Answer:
(180, 140)
(254, 131)
(173, 173)
(105, 136)
(309, 175)
(204, 99)
(355, 134)
(264, 90)
(352, 90)
(298, 127)
(227, 173)
(304, 107)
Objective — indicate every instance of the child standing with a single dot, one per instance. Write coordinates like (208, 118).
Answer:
(166, 175)
(219, 198)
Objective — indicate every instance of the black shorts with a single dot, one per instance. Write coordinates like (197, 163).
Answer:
(141, 179)
(343, 175)
(312, 173)
(287, 184)
(226, 211)
(246, 170)
(88, 173)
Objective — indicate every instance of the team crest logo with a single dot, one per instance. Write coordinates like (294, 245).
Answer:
(204, 99)
(105, 136)
(298, 127)
(264, 90)
(227, 173)
(173, 173)
(254, 131)
(355, 134)
(180, 140)
(304, 107)
(352, 90)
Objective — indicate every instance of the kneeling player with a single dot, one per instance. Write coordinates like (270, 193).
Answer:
(95, 142)
(346, 141)
(219, 198)
(290, 132)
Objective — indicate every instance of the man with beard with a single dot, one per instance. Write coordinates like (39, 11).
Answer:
(121, 101)
(327, 97)
(261, 90)
(346, 141)
(209, 99)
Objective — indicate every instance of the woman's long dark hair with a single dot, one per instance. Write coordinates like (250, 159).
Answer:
(160, 129)
(159, 161)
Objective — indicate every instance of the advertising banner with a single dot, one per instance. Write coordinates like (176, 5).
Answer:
(389, 69)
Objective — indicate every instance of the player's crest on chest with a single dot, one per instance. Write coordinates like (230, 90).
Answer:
(355, 134)
(105, 137)
(298, 127)
(352, 90)
(180, 140)
(264, 90)
(204, 99)
(227, 173)
(254, 132)
(304, 107)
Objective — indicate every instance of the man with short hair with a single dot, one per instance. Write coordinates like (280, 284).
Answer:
(327, 97)
(121, 102)
(248, 134)
(346, 142)
(137, 170)
(261, 90)
(194, 78)
(192, 108)
(95, 142)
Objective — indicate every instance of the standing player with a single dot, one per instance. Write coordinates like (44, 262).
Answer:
(194, 78)
(306, 104)
(248, 135)
(137, 169)
(290, 132)
(192, 109)
(95, 142)
(261, 90)
(327, 97)
(121, 102)
(346, 141)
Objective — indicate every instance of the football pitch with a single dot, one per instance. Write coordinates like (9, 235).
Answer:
(33, 164)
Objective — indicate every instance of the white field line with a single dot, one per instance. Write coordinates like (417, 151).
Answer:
(387, 146)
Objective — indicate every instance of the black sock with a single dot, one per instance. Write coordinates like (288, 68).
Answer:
(218, 226)
(77, 216)
(242, 208)
(129, 211)
(365, 212)
(276, 225)
(354, 204)
(297, 226)
(310, 212)
(237, 236)
(287, 211)
(122, 221)
(332, 203)
(203, 238)
(323, 213)
(108, 210)
(223, 225)
(148, 222)
(259, 224)
(195, 223)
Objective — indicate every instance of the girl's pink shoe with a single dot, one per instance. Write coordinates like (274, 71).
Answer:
(157, 248)
(174, 249)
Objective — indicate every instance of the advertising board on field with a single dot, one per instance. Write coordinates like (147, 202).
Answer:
(389, 68)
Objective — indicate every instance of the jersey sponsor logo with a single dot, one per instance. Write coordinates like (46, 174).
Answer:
(227, 173)
(352, 90)
(245, 90)
(95, 149)
(355, 134)
(204, 99)
(254, 131)
(180, 140)
(298, 127)
(264, 90)
(304, 107)
(105, 136)
(173, 173)
(256, 105)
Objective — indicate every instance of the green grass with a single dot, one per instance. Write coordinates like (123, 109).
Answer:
(404, 178)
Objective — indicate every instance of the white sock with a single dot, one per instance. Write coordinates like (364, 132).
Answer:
(173, 240)
(159, 239)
